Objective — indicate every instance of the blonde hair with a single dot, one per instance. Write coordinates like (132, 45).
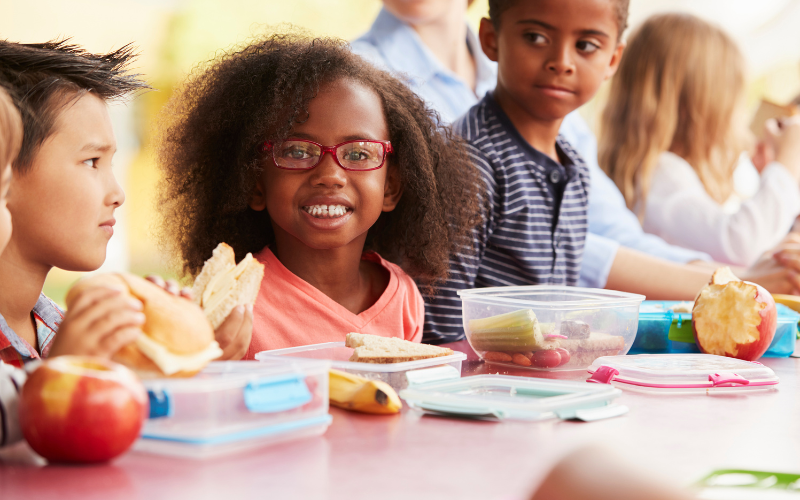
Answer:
(679, 88)
(10, 130)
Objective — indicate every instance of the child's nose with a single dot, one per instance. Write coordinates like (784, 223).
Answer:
(328, 174)
(560, 60)
(115, 195)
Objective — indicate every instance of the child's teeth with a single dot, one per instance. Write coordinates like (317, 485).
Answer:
(323, 211)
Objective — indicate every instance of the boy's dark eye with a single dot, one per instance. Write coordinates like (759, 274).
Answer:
(587, 47)
(92, 162)
(534, 38)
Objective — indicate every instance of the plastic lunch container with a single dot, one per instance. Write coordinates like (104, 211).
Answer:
(663, 331)
(442, 391)
(338, 354)
(682, 374)
(525, 326)
(234, 406)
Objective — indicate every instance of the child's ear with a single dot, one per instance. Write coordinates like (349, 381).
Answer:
(258, 198)
(488, 38)
(615, 58)
(392, 190)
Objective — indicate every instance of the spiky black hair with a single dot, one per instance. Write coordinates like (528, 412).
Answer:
(43, 77)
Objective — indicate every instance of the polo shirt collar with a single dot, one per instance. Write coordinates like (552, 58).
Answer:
(406, 53)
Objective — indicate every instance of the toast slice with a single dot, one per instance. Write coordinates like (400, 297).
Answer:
(375, 349)
(222, 284)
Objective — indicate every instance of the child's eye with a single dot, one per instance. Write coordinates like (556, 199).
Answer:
(587, 47)
(296, 153)
(535, 38)
(92, 162)
(356, 155)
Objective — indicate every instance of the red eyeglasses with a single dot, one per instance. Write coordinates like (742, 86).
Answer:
(300, 154)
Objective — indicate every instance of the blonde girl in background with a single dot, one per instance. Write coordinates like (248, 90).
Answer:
(673, 133)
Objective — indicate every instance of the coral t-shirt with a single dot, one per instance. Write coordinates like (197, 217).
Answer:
(290, 312)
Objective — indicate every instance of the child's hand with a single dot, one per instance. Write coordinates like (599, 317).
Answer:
(786, 139)
(170, 286)
(234, 334)
(100, 322)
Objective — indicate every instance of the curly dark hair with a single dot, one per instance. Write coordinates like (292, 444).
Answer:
(210, 153)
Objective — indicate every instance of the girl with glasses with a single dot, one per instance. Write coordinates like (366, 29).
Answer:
(331, 172)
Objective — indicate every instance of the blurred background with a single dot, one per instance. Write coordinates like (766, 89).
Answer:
(174, 36)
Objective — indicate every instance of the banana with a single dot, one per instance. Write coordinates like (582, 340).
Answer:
(356, 393)
(790, 301)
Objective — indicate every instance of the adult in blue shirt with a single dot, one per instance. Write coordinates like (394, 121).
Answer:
(422, 42)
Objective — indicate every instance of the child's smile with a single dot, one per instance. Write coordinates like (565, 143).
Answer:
(327, 207)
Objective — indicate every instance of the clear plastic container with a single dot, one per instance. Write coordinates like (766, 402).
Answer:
(682, 374)
(662, 331)
(586, 323)
(505, 397)
(234, 406)
(338, 354)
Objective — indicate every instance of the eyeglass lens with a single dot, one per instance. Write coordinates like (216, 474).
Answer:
(353, 155)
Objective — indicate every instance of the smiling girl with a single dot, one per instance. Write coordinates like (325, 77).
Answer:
(302, 153)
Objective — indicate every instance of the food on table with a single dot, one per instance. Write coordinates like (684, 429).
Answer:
(375, 349)
(547, 358)
(734, 318)
(81, 409)
(356, 393)
(682, 307)
(517, 331)
(222, 284)
(790, 301)
(176, 340)
(574, 329)
(519, 338)
(582, 352)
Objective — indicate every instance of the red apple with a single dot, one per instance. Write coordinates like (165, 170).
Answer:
(734, 318)
(82, 409)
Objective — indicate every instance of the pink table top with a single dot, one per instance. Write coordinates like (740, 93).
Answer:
(677, 438)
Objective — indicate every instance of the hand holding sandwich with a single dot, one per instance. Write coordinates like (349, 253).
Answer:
(233, 334)
(100, 322)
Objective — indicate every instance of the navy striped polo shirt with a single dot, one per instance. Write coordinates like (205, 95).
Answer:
(535, 225)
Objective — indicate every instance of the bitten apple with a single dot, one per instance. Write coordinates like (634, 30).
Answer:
(734, 318)
(82, 409)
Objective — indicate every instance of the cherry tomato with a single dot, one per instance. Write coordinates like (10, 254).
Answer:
(549, 358)
(564, 356)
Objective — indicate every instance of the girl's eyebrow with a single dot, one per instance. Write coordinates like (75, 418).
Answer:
(352, 137)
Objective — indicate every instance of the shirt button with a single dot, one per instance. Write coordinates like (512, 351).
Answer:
(555, 176)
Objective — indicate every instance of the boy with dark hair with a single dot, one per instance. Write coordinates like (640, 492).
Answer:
(63, 199)
(552, 56)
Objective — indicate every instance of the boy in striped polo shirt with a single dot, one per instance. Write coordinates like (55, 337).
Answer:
(552, 56)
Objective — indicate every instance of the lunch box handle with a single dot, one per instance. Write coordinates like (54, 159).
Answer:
(275, 394)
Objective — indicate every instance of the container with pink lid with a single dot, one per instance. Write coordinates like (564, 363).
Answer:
(682, 374)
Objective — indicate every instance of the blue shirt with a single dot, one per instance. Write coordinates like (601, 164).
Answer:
(395, 46)
(535, 219)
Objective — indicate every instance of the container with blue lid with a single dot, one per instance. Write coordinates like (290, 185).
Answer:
(236, 405)
(662, 330)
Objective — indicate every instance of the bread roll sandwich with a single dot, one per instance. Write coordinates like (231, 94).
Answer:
(375, 349)
(177, 339)
(223, 285)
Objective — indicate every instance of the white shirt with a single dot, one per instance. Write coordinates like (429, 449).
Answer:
(680, 210)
